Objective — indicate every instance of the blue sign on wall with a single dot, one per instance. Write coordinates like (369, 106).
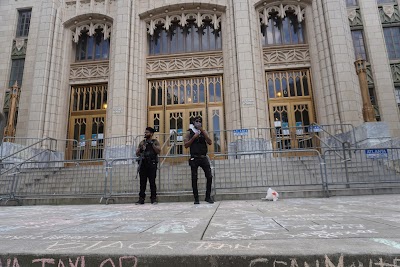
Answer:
(241, 132)
(314, 129)
(376, 153)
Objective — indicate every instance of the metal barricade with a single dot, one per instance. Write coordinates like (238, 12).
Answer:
(7, 181)
(174, 175)
(257, 171)
(123, 177)
(314, 136)
(61, 178)
(357, 167)
(27, 149)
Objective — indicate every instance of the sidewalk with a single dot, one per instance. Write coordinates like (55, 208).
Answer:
(361, 231)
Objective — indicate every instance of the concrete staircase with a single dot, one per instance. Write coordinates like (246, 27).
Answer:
(247, 177)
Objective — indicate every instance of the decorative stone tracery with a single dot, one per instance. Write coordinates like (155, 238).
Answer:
(91, 28)
(183, 20)
(265, 13)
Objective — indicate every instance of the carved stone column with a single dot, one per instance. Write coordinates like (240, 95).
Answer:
(368, 110)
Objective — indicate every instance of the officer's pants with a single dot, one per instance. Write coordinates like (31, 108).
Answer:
(148, 170)
(195, 163)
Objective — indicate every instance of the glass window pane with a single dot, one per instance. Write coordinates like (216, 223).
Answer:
(204, 39)
(202, 95)
(164, 42)
(17, 72)
(160, 96)
(90, 45)
(392, 39)
(106, 49)
(271, 88)
(218, 91)
(211, 92)
(358, 43)
(180, 40)
(352, 2)
(24, 21)
(196, 38)
(286, 31)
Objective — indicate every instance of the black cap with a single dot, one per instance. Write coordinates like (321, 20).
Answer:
(150, 129)
(198, 118)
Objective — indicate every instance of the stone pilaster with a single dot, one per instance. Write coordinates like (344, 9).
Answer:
(378, 57)
(245, 57)
(117, 109)
(36, 102)
(334, 21)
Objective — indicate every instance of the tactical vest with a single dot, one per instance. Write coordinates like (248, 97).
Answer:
(199, 146)
(150, 153)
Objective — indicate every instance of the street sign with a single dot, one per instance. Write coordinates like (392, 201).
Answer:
(241, 132)
(315, 129)
(376, 153)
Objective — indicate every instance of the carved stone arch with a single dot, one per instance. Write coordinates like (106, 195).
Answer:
(181, 13)
(89, 22)
(266, 8)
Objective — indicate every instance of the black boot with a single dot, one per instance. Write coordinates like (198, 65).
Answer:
(154, 201)
(209, 200)
(140, 201)
(196, 200)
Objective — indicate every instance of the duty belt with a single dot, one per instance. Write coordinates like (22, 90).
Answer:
(199, 156)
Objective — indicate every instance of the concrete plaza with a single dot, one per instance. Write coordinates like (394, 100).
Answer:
(339, 231)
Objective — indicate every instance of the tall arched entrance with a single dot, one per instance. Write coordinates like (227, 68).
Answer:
(185, 75)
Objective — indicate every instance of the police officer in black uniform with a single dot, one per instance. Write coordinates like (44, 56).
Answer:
(197, 139)
(148, 151)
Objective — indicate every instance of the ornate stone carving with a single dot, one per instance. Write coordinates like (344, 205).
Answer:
(89, 71)
(166, 21)
(388, 10)
(91, 28)
(354, 16)
(19, 47)
(265, 13)
(389, 14)
(185, 63)
(395, 68)
(288, 55)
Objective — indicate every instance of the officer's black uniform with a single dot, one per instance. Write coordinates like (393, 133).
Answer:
(148, 169)
(198, 158)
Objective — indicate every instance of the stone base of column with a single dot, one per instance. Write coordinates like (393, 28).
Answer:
(370, 134)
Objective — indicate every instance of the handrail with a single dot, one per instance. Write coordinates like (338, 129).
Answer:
(19, 151)
(331, 148)
(331, 135)
(174, 133)
(25, 161)
(169, 138)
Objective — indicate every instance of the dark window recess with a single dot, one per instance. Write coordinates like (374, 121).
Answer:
(92, 47)
(24, 21)
(17, 71)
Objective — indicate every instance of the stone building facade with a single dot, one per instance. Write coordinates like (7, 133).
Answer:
(105, 68)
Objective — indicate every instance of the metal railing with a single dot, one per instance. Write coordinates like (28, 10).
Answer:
(234, 173)
(23, 148)
(314, 136)
(362, 170)
(57, 178)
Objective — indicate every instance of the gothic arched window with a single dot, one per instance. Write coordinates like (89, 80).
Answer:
(92, 47)
(283, 31)
(185, 39)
